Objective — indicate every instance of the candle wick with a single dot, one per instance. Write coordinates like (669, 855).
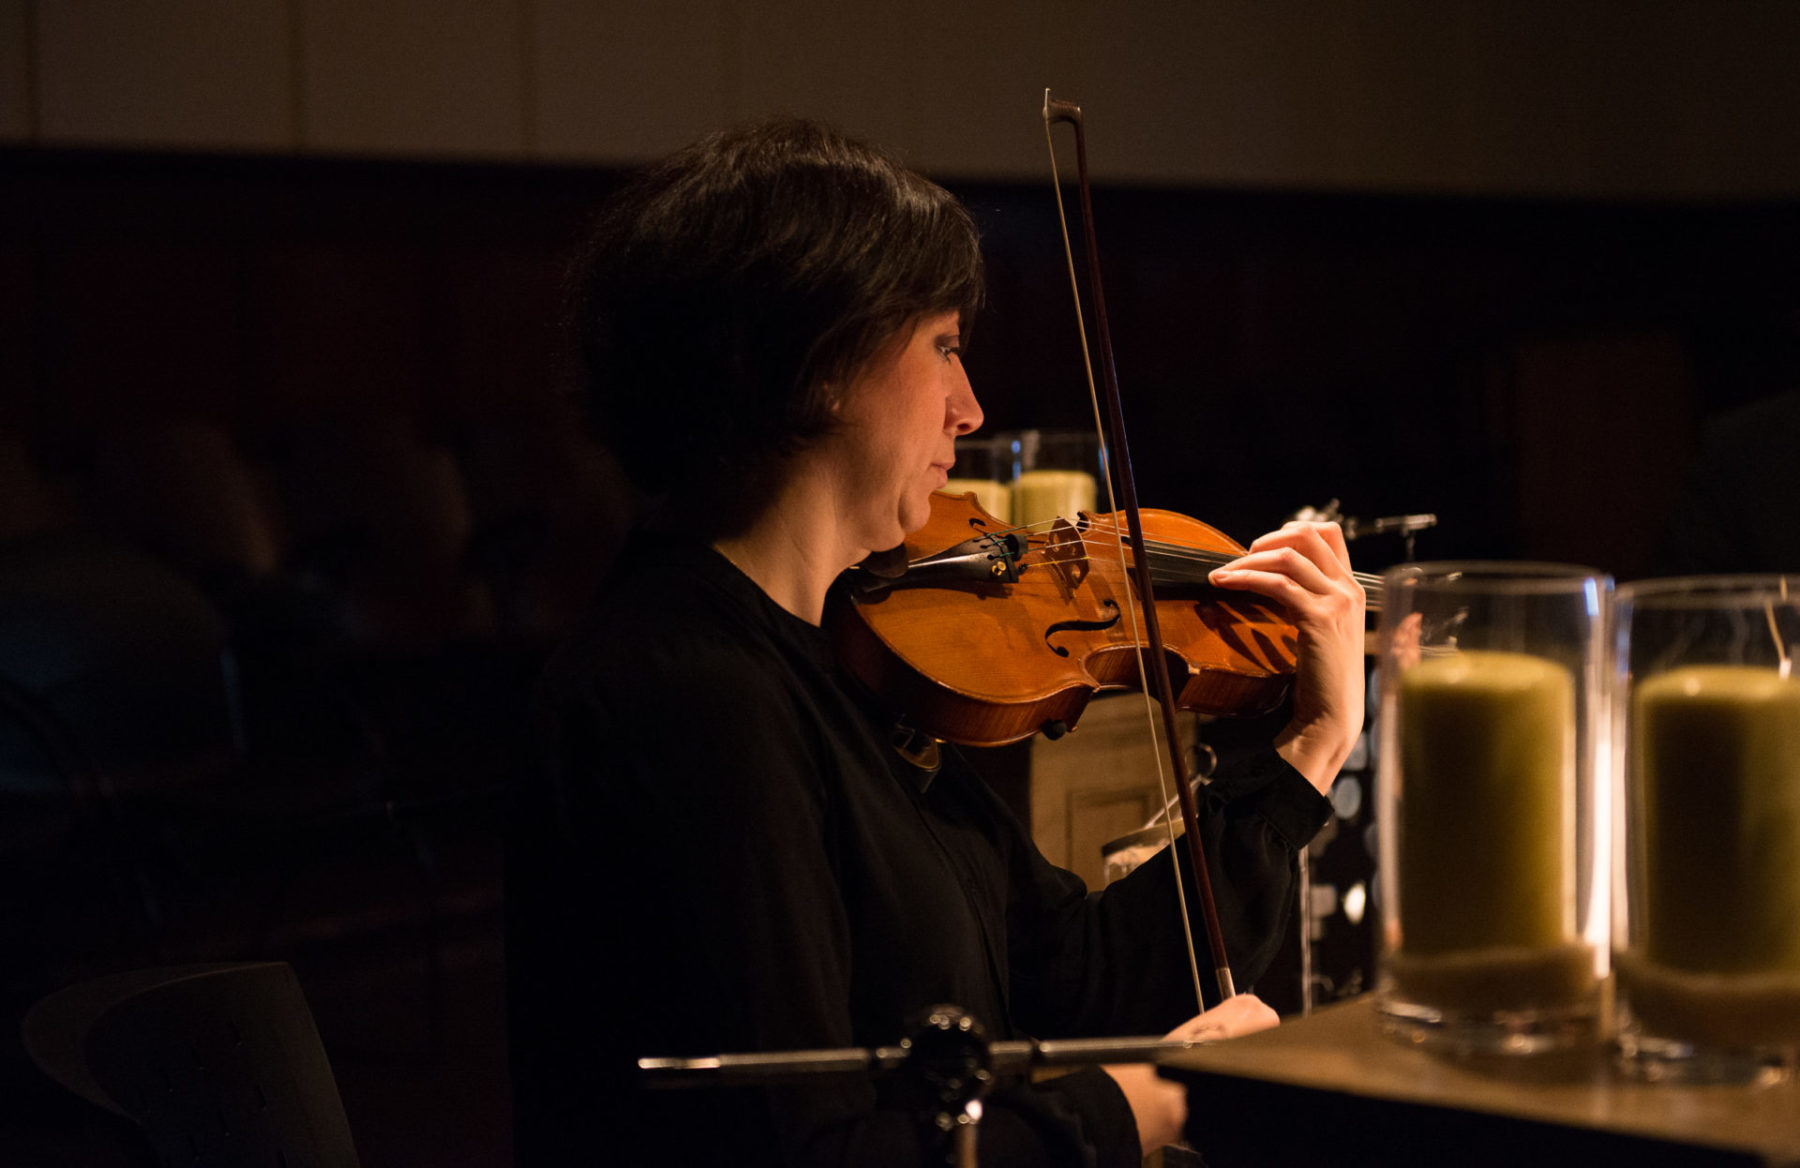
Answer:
(1786, 668)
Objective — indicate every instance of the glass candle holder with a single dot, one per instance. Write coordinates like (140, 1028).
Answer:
(1707, 919)
(1491, 719)
(983, 465)
(1054, 473)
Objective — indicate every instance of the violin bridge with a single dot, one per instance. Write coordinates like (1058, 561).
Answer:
(1062, 550)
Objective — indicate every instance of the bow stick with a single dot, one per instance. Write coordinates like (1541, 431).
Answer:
(1115, 459)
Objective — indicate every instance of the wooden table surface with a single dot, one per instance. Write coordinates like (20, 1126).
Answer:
(1332, 1089)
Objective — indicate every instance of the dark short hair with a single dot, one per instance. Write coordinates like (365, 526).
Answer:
(727, 288)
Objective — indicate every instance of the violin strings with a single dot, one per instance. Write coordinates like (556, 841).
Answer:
(1172, 553)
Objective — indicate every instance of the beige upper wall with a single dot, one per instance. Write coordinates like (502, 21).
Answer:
(1585, 97)
(15, 73)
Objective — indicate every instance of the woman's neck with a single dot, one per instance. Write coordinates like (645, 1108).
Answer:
(795, 550)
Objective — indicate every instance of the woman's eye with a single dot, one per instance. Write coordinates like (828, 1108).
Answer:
(949, 351)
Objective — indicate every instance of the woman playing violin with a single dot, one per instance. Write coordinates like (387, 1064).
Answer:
(726, 852)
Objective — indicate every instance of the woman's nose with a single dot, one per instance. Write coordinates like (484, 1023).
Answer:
(962, 412)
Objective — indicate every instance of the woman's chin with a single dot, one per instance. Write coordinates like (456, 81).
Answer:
(912, 518)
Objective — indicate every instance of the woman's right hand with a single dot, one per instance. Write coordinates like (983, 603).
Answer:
(1159, 1105)
(1240, 1015)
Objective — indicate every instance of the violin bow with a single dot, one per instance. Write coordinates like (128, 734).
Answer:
(1115, 459)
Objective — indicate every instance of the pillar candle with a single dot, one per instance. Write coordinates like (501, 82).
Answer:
(1039, 496)
(1487, 805)
(995, 497)
(1716, 760)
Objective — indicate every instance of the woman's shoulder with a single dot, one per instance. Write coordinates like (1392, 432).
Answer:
(673, 620)
(679, 680)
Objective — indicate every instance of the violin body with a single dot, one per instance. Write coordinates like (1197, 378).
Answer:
(990, 654)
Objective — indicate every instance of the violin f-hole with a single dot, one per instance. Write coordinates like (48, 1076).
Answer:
(1083, 626)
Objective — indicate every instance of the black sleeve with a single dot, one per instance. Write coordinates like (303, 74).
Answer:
(668, 894)
(1116, 962)
(671, 891)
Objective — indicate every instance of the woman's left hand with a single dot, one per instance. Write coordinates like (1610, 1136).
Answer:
(1306, 567)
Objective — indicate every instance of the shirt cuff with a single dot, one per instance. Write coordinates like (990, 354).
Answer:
(1264, 783)
(1107, 1123)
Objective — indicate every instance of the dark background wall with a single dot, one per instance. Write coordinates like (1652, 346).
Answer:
(1532, 370)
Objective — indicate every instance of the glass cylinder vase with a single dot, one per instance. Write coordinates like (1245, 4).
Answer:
(1055, 474)
(1707, 917)
(1492, 722)
(984, 467)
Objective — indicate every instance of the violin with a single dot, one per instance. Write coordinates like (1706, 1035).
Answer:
(981, 633)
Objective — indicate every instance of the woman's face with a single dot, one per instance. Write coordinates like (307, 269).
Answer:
(901, 417)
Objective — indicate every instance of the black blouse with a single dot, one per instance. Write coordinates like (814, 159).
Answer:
(725, 853)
